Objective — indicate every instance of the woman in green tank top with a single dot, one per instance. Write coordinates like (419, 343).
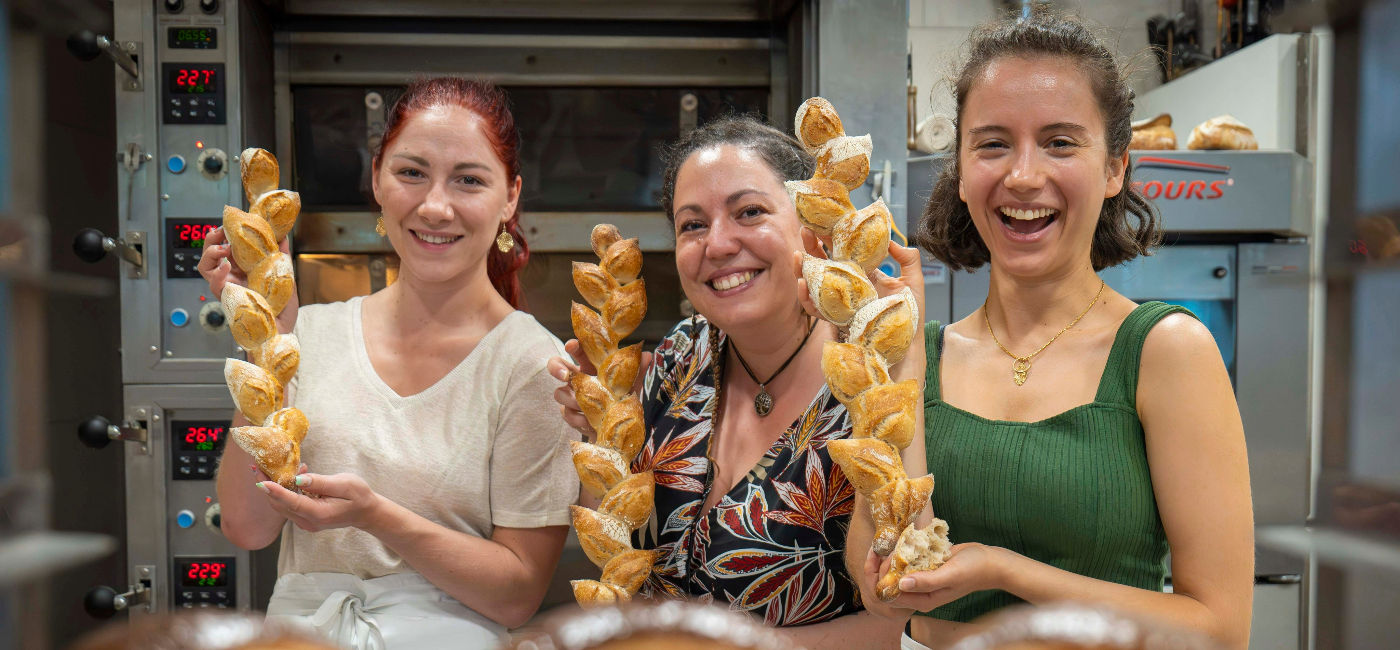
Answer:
(1074, 435)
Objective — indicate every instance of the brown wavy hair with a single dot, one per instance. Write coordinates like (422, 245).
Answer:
(779, 151)
(491, 104)
(1128, 224)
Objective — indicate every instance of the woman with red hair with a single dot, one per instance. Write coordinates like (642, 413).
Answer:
(442, 503)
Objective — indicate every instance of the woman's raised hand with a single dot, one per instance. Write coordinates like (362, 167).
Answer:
(217, 268)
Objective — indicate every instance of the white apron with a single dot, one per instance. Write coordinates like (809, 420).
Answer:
(392, 612)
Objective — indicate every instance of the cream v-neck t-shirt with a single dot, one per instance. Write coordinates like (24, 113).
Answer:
(483, 447)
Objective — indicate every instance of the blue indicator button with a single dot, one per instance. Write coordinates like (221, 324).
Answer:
(179, 317)
(184, 519)
(175, 164)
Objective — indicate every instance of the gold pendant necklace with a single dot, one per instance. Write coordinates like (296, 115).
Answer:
(1021, 366)
(763, 401)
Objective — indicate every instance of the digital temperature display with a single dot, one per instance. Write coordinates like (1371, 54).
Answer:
(199, 436)
(203, 574)
(193, 38)
(189, 233)
(194, 80)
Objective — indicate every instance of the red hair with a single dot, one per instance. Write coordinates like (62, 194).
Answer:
(489, 103)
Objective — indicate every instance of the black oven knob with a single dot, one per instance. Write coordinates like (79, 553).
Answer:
(94, 432)
(89, 245)
(101, 602)
(209, 6)
(214, 319)
(213, 165)
(174, 6)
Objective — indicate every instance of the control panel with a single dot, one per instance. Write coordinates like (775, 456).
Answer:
(204, 582)
(195, 447)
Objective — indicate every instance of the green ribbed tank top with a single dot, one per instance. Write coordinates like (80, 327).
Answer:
(1072, 490)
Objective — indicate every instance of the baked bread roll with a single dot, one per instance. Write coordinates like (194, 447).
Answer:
(851, 369)
(619, 370)
(623, 260)
(887, 325)
(599, 468)
(816, 123)
(593, 283)
(279, 208)
(272, 277)
(869, 463)
(1224, 132)
(280, 356)
(820, 203)
(916, 550)
(612, 286)
(250, 238)
(260, 173)
(865, 237)
(631, 500)
(277, 455)
(1154, 133)
(623, 427)
(838, 289)
(290, 421)
(846, 160)
(593, 335)
(894, 505)
(255, 391)
(886, 412)
(624, 309)
(601, 536)
(250, 319)
(592, 593)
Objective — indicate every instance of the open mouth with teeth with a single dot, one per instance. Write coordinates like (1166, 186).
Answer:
(733, 280)
(1027, 222)
(435, 239)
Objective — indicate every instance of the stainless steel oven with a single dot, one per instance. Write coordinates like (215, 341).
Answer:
(596, 87)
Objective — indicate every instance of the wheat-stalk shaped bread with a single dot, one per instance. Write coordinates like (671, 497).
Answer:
(258, 385)
(617, 302)
(878, 332)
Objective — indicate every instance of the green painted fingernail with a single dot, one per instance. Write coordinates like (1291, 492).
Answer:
(302, 480)
(262, 487)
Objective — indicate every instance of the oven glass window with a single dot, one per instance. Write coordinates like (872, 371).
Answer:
(582, 149)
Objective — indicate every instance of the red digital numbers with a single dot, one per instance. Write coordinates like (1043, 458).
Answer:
(195, 81)
(192, 232)
(197, 435)
(202, 571)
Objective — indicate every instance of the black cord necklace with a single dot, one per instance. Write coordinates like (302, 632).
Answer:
(763, 402)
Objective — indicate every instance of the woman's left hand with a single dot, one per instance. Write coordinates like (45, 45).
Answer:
(327, 501)
(972, 567)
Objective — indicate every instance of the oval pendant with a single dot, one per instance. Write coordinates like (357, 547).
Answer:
(762, 402)
(1020, 368)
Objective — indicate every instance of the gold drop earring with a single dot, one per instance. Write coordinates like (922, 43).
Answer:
(379, 227)
(504, 242)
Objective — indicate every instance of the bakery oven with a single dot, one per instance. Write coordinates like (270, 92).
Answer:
(596, 88)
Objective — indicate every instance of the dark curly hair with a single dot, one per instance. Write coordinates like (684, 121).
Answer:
(1128, 224)
(779, 150)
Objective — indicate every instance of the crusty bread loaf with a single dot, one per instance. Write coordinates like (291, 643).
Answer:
(865, 238)
(850, 369)
(250, 238)
(887, 325)
(886, 412)
(273, 279)
(838, 289)
(816, 123)
(259, 171)
(820, 203)
(1223, 132)
(894, 505)
(1154, 133)
(280, 356)
(256, 393)
(614, 411)
(845, 159)
(279, 208)
(916, 550)
(250, 319)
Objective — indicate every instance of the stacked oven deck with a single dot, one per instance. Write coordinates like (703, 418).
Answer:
(186, 122)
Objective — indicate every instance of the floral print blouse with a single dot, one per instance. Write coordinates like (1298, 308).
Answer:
(772, 546)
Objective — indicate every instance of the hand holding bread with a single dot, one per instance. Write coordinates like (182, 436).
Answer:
(879, 331)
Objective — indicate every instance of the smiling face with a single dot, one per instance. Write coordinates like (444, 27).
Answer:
(1034, 164)
(444, 194)
(736, 230)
